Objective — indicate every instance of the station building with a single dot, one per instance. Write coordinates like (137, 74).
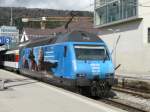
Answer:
(126, 22)
(10, 31)
(9, 36)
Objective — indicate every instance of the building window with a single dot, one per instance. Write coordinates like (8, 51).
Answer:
(128, 8)
(101, 16)
(99, 3)
(113, 10)
(148, 35)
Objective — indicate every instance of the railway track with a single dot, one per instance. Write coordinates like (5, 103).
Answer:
(132, 92)
(122, 105)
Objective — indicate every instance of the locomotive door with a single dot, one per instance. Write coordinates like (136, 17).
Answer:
(61, 70)
(64, 59)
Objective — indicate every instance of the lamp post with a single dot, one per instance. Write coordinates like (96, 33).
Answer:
(114, 31)
(11, 16)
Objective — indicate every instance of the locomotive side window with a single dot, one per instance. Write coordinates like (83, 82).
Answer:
(65, 51)
(91, 53)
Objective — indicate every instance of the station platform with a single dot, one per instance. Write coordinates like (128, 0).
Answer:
(27, 95)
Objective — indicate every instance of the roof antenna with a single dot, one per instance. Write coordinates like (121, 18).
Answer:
(72, 14)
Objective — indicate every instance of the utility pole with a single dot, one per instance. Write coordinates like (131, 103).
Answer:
(11, 17)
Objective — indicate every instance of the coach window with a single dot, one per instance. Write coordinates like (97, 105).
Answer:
(148, 35)
(6, 57)
(12, 58)
(9, 57)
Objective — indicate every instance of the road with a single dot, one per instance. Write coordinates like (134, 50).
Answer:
(27, 95)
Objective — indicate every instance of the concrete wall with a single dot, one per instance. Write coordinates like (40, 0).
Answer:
(133, 51)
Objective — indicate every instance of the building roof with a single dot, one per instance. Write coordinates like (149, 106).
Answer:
(31, 33)
(38, 31)
(82, 25)
(7, 29)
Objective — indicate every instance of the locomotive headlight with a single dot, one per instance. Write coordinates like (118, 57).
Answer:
(81, 75)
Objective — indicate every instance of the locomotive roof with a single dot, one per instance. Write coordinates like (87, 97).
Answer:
(78, 36)
(74, 36)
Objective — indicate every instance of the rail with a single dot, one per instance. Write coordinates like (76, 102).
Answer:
(132, 92)
(123, 105)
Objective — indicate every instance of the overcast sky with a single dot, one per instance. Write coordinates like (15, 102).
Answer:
(50, 4)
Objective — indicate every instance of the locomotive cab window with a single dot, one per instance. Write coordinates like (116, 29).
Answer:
(91, 52)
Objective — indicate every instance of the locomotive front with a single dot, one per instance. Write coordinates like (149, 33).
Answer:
(94, 68)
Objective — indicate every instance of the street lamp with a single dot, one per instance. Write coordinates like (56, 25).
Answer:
(115, 44)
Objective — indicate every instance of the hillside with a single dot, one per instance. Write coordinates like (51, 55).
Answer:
(28, 12)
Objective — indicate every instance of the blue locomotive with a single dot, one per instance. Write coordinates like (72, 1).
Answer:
(76, 59)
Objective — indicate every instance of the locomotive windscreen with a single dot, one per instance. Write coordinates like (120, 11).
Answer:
(90, 52)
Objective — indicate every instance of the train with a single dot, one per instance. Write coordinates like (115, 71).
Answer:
(76, 59)
(9, 59)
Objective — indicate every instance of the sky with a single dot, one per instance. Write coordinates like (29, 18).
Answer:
(50, 4)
